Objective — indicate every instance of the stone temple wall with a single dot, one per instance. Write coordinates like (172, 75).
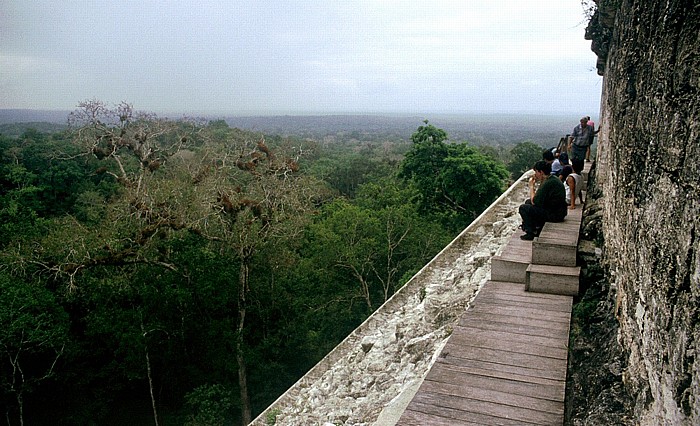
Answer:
(648, 165)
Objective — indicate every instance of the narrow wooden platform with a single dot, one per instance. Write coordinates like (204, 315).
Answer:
(504, 364)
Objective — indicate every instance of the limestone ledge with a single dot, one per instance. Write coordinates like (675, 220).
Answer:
(372, 374)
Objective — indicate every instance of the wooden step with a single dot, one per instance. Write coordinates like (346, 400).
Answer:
(550, 279)
(553, 251)
(511, 265)
(574, 216)
(564, 231)
(557, 243)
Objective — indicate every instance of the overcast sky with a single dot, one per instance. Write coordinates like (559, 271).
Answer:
(299, 56)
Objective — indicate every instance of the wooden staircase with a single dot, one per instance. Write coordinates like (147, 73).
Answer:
(553, 265)
(548, 263)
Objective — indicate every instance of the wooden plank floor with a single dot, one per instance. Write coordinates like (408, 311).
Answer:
(504, 364)
(517, 250)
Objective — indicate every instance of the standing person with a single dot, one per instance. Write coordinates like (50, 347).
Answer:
(594, 132)
(548, 204)
(579, 139)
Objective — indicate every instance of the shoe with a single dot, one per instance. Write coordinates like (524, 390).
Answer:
(527, 237)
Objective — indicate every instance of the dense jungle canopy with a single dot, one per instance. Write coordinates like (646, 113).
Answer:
(187, 272)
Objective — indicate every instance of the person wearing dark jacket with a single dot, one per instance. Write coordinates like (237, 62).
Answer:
(548, 204)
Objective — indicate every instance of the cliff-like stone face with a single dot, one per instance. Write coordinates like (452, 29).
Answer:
(596, 394)
(649, 172)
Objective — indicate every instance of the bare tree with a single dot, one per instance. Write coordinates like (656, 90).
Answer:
(145, 155)
(132, 148)
(260, 197)
(237, 193)
(394, 236)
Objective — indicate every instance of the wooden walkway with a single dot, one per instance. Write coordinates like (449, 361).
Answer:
(505, 362)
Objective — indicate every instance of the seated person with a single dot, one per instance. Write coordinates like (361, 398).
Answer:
(574, 191)
(548, 156)
(559, 163)
(548, 204)
(570, 180)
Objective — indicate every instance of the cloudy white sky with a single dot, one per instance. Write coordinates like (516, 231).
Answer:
(299, 56)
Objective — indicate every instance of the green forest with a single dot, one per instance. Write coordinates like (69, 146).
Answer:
(185, 272)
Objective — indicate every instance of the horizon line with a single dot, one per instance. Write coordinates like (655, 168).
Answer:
(316, 113)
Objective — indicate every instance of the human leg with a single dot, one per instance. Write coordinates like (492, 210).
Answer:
(533, 220)
(578, 152)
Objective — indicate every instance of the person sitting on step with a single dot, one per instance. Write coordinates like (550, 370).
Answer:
(559, 163)
(548, 204)
(548, 155)
(574, 184)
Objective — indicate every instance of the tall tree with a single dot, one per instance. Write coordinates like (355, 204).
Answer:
(131, 148)
(183, 178)
(522, 157)
(367, 246)
(152, 204)
(261, 198)
(406, 241)
(347, 241)
(33, 337)
(179, 178)
(454, 181)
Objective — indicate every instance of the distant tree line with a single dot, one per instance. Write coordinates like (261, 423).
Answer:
(187, 272)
